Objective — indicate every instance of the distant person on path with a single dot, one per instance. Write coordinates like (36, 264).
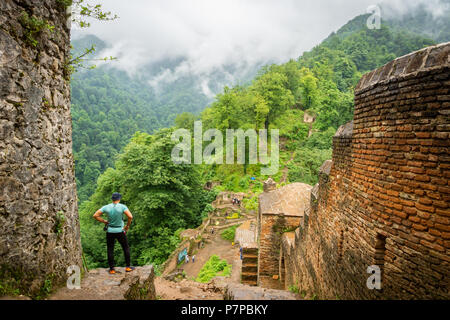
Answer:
(193, 259)
(187, 259)
(241, 252)
(115, 229)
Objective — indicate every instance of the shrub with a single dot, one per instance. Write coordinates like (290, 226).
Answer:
(229, 234)
(212, 268)
(234, 216)
(305, 167)
(33, 27)
(294, 289)
(251, 204)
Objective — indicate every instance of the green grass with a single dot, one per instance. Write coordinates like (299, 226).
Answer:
(251, 204)
(234, 216)
(229, 234)
(212, 268)
(294, 289)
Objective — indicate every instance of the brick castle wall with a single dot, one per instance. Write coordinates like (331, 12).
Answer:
(384, 199)
(270, 235)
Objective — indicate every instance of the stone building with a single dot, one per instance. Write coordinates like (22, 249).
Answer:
(383, 202)
(39, 226)
(280, 210)
(309, 118)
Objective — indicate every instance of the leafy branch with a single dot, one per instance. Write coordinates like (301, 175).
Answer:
(80, 61)
(81, 11)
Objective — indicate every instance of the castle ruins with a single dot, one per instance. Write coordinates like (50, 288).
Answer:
(383, 201)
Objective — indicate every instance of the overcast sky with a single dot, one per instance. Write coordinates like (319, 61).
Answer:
(214, 33)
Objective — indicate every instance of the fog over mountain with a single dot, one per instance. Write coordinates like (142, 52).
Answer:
(233, 38)
(174, 57)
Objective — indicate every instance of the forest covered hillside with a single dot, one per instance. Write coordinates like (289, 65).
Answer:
(108, 107)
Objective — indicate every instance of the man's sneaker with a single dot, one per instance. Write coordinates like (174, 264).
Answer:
(112, 271)
(129, 269)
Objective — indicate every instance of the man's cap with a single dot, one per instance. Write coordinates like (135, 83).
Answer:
(116, 196)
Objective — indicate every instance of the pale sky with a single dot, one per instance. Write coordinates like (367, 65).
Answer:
(210, 34)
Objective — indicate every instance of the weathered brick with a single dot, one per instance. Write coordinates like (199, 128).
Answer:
(419, 227)
(425, 201)
(441, 182)
(410, 211)
(425, 208)
(440, 204)
(422, 178)
(390, 177)
(432, 246)
(392, 193)
(400, 214)
(435, 232)
(423, 135)
(442, 227)
(445, 213)
(442, 220)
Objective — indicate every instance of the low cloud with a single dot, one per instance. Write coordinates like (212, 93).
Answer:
(398, 8)
(210, 35)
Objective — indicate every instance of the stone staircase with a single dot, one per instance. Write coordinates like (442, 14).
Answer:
(249, 275)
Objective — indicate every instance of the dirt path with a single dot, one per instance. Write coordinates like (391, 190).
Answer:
(185, 290)
(220, 247)
(98, 284)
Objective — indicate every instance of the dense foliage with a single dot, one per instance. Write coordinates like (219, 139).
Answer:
(162, 196)
(319, 84)
(229, 233)
(106, 112)
(109, 107)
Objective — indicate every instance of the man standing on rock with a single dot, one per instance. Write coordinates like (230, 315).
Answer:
(115, 229)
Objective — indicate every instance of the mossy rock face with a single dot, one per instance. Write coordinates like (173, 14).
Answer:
(141, 290)
(41, 235)
(11, 283)
(14, 282)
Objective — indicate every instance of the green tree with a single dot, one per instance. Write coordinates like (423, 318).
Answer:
(185, 121)
(272, 87)
(308, 89)
(163, 197)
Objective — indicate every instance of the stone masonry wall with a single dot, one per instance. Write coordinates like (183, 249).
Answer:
(39, 226)
(385, 199)
(272, 228)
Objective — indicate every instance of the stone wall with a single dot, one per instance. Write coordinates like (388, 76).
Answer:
(245, 234)
(39, 226)
(280, 211)
(272, 227)
(384, 199)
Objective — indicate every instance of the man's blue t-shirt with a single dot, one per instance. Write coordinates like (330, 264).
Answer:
(115, 211)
